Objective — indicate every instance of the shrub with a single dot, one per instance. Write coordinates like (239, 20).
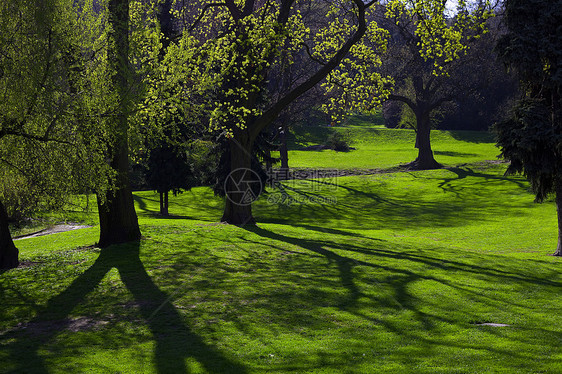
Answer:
(339, 141)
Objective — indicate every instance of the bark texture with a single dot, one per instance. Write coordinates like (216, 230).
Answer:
(118, 219)
(8, 251)
(240, 185)
(425, 159)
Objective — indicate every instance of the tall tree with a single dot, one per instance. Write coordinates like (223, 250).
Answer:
(118, 219)
(237, 45)
(532, 138)
(44, 141)
(427, 44)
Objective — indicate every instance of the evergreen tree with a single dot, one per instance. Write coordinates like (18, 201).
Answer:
(532, 137)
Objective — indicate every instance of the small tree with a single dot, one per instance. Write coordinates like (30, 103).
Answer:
(532, 138)
(168, 171)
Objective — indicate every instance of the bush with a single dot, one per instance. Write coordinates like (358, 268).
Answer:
(339, 141)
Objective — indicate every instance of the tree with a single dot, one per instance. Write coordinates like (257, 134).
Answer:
(480, 89)
(44, 141)
(118, 219)
(532, 137)
(236, 46)
(426, 46)
(168, 170)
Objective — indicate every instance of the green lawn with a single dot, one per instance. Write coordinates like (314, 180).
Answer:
(378, 147)
(393, 273)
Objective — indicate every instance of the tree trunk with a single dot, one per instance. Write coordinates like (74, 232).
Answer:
(8, 251)
(118, 219)
(558, 251)
(164, 203)
(425, 159)
(283, 151)
(241, 184)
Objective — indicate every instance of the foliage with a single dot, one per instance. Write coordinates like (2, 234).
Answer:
(48, 144)
(356, 84)
(530, 139)
(532, 45)
(339, 141)
(440, 38)
(169, 170)
(532, 144)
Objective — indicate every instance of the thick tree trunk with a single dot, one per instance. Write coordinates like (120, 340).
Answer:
(425, 160)
(558, 251)
(118, 219)
(8, 251)
(241, 185)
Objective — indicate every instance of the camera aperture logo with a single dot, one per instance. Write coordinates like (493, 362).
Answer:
(243, 186)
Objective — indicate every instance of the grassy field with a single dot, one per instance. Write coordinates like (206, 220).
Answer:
(379, 147)
(384, 273)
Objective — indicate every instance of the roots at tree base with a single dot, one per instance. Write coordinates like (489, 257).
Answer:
(418, 164)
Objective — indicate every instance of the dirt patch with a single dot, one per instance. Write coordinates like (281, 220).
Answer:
(52, 230)
(70, 324)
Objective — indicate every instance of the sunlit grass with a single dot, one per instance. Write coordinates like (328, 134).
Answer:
(394, 273)
(378, 147)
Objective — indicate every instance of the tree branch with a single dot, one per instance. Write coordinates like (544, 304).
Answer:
(203, 11)
(234, 10)
(310, 55)
(269, 115)
(404, 100)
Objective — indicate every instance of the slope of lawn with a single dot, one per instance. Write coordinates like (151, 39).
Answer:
(385, 273)
(379, 147)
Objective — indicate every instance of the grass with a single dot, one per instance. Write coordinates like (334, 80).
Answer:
(393, 274)
(378, 147)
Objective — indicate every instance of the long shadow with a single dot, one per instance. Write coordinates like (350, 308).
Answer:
(473, 136)
(142, 204)
(400, 280)
(345, 264)
(462, 173)
(175, 342)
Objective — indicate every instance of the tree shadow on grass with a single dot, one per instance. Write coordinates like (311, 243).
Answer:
(174, 341)
(197, 205)
(473, 136)
(361, 204)
(347, 257)
(454, 154)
